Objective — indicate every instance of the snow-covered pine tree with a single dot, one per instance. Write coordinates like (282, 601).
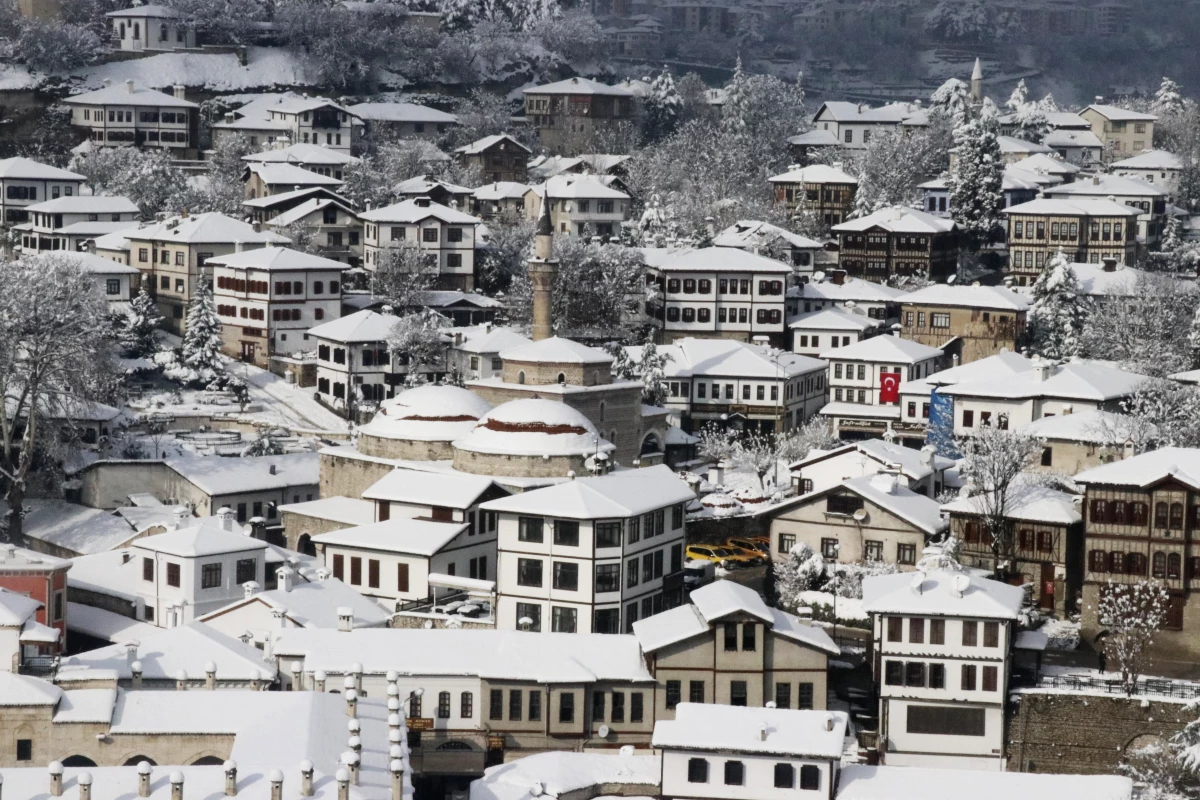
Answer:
(202, 337)
(1060, 311)
(663, 106)
(737, 97)
(1168, 99)
(1029, 118)
(804, 570)
(652, 367)
(141, 320)
(1019, 96)
(976, 186)
(1048, 105)
(953, 100)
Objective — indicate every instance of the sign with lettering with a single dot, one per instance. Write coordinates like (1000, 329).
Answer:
(420, 724)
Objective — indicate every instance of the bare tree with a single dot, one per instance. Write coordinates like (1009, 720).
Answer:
(993, 462)
(403, 275)
(1132, 614)
(816, 434)
(717, 444)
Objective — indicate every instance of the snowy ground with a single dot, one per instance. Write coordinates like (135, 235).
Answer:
(292, 407)
(267, 67)
(1062, 634)
(849, 609)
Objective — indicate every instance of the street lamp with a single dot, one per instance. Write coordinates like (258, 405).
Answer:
(774, 355)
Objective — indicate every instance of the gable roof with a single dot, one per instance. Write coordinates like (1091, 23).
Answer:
(210, 228)
(151, 10)
(579, 86)
(1081, 207)
(277, 173)
(1092, 381)
(18, 168)
(1107, 186)
(1150, 159)
(479, 145)
(621, 494)
(884, 348)
(401, 112)
(815, 173)
(301, 153)
(409, 536)
(414, 210)
(941, 593)
(1119, 114)
(280, 198)
(1146, 469)
(275, 258)
(459, 490)
(756, 233)
(310, 206)
(898, 219)
(128, 94)
(760, 731)
(981, 297)
(361, 326)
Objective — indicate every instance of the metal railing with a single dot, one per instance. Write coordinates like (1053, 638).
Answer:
(1146, 687)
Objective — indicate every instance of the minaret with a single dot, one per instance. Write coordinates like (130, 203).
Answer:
(977, 83)
(543, 270)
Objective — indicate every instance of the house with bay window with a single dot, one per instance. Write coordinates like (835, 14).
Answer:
(444, 236)
(1086, 229)
(592, 555)
(942, 642)
(898, 241)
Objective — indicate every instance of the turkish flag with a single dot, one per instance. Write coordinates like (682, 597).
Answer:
(889, 387)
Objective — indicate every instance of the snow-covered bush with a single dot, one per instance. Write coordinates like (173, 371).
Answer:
(1132, 614)
(803, 571)
(57, 47)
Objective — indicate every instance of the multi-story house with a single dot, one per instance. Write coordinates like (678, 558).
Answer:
(42, 579)
(580, 205)
(569, 113)
(150, 27)
(1140, 515)
(268, 299)
(804, 254)
(73, 223)
(827, 192)
(1017, 185)
(265, 209)
(120, 115)
(1076, 147)
(815, 332)
(25, 182)
(332, 223)
(898, 241)
(864, 385)
(475, 352)
(923, 470)
(312, 157)
(173, 256)
(721, 381)
(1086, 229)
(499, 158)
(1042, 540)
(984, 320)
(116, 281)
(402, 120)
(835, 290)
(1147, 198)
(503, 200)
(592, 555)
(354, 366)
(1154, 166)
(445, 236)
(942, 644)
(721, 293)
(441, 192)
(717, 752)
(1074, 442)
(265, 180)
(315, 120)
(1124, 133)
(1057, 120)
(853, 124)
(872, 518)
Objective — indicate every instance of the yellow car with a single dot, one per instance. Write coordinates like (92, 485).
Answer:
(752, 547)
(719, 555)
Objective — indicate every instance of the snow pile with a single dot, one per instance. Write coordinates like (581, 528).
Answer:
(1062, 634)
(849, 609)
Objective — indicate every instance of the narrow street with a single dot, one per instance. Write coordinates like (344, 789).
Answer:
(295, 406)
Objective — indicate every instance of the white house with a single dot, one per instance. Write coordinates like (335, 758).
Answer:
(580, 205)
(924, 470)
(269, 298)
(120, 115)
(1150, 199)
(816, 331)
(353, 362)
(505, 199)
(312, 157)
(331, 222)
(74, 222)
(116, 282)
(918, 397)
(1153, 166)
(271, 178)
(834, 289)
(25, 182)
(293, 119)
(445, 236)
(803, 253)
(1076, 147)
(943, 641)
(592, 555)
(722, 752)
(403, 119)
(150, 27)
(853, 124)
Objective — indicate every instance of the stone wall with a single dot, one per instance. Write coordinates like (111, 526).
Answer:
(296, 525)
(344, 475)
(518, 466)
(408, 449)
(538, 373)
(1085, 733)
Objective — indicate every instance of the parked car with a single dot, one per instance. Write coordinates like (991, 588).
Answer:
(750, 547)
(718, 555)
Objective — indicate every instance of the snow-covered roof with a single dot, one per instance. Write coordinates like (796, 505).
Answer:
(424, 184)
(1013, 145)
(707, 727)
(1003, 363)
(887, 348)
(219, 476)
(361, 326)
(428, 413)
(859, 411)
(18, 168)
(297, 213)
(1107, 186)
(479, 145)
(408, 536)
(301, 153)
(755, 233)
(579, 86)
(16, 609)
(1177, 463)
(983, 297)
(943, 593)
(1047, 163)
(846, 112)
(862, 782)
(815, 173)
(209, 228)
(894, 497)
(494, 654)
(90, 229)
(818, 137)
(171, 650)
(1069, 138)
(707, 358)
(489, 339)
(205, 538)
(401, 112)
(1095, 281)
(151, 10)
(622, 494)
(911, 462)
(86, 705)
(1150, 159)
(501, 190)
(86, 204)
(555, 773)
(855, 289)
(283, 174)
(1026, 501)
(298, 105)
(459, 491)
(122, 782)
(24, 690)
(276, 258)
(1091, 426)
(534, 427)
(557, 350)
(345, 510)
(832, 319)
(415, 210)
(1116, 114)
(128, 94)
(106, 625)
(723, 259)
(76, 528)
(583, 187)
(283, 198)
(1092, 381)
(19, 559)
(1074, 207)
(898, 219)
(314, 603)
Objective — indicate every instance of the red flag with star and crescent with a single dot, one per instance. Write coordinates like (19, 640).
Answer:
(889, 387)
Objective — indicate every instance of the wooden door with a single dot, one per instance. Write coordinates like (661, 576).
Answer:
(1047, 582)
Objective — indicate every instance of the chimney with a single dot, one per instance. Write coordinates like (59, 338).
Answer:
(319, 681)
(136, 671)
(710, 226)
(351, 762)
(348, 683)
(355, 744)
(260, 678)
(280, 616)
(177, 91)
(177, 785)
(306, 778)
(287, 577)
(343, 784)
(543, 271)
(181, 515)
(276, 778)
(345, 619)
(351, 704)
(228, 117)
(394, 722)
(297, 676)
(397, 779)
(144, 770)
(762, 732)
(237, 247)
(85, 786)
(356, 672)
(250, 588)
(181, 680)
(1067, 410)
(1095, 180)
(131, 651)
(129, 86)
(230, 778)
(210, 676)
(1041, 371)
(272, 468)
(828, 721)
(837, 277)
(458, 338)
(257, 226)
(56, 771)
(716, 473)
(107, 82)
(1110, 264)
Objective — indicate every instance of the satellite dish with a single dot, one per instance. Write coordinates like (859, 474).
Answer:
(603, 732)
(951, 279)
(860, 514)
(819, 276)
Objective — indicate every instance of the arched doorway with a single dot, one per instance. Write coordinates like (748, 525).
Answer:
(304, 545)
(208, 761)
(78, 761)
(133, 761)
(650, 445)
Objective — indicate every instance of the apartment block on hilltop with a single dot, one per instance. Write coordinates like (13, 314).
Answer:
(120, 115)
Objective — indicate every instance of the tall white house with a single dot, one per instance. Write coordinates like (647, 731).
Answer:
(592, 555)
(445, 237)
(942, 642)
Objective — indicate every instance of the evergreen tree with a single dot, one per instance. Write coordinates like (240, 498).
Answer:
(1019, 96)
(952, 100)
(1059, 312)
(1029, 118)
(976, 186)
(651, 368)
(141, 320)
(202, 338)
(663, 106)
(1048, 105)
(737, 98)
(1168, 99)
